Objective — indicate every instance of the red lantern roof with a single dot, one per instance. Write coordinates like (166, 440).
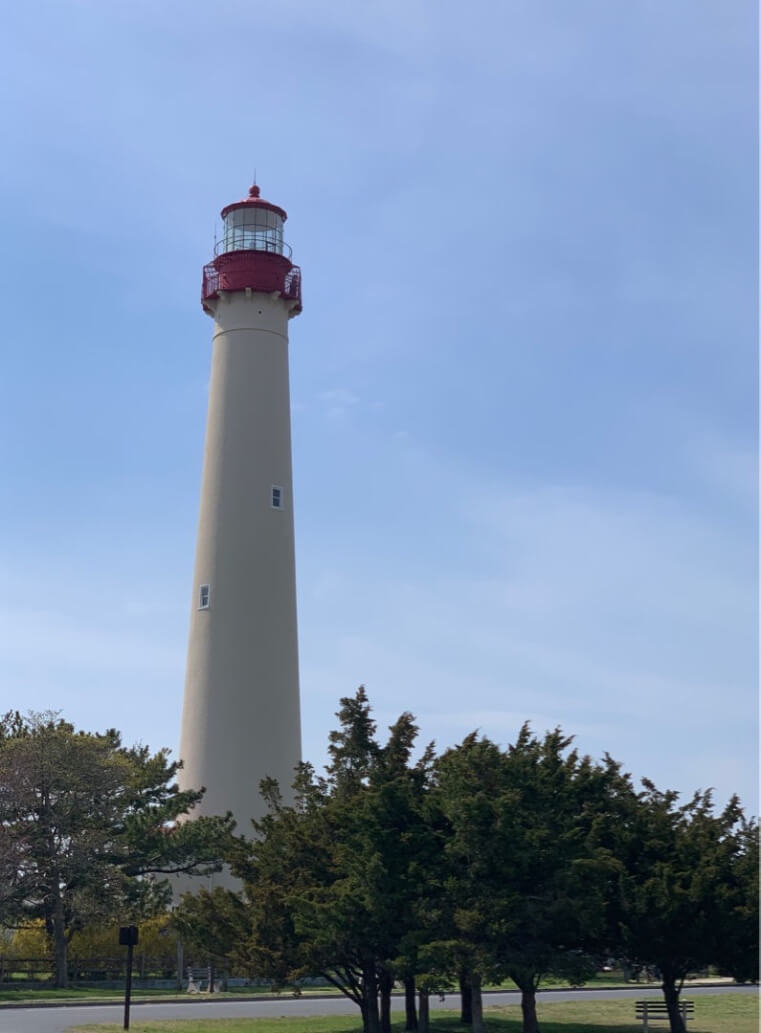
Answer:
(254, 201)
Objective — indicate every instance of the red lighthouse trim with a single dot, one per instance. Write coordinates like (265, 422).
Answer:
(254, 201)
(249, 268)
(257, 270)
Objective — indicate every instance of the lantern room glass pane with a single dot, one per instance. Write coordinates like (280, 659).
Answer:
(253, 229)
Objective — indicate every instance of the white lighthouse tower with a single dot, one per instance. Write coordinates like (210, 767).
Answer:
(240, 719)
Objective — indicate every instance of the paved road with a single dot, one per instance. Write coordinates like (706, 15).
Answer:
(57, 1020)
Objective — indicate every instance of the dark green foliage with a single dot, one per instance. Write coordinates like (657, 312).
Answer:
(83, 819)
(485, 863)
(738, 950)
(526, 882)
(687, 888)
(211, 924)
(332, 882)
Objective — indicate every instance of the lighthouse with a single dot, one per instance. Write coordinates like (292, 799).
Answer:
(240, 719)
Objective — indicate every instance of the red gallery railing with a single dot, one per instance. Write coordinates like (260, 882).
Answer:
(264, 271)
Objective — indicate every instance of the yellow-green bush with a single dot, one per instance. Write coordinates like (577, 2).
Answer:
(98, 941)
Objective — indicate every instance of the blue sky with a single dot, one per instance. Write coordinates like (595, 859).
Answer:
(524, 383)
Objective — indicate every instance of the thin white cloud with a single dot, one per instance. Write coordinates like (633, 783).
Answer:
(337, 403)
(63, 643)
(626, 617)
(339, 396)
(726, 466)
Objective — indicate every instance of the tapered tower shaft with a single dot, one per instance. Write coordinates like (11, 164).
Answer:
(241, 718)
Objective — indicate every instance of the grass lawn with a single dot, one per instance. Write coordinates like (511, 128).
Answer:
(93, 993)
(75, 994)
(20, 995)
(722, 1013)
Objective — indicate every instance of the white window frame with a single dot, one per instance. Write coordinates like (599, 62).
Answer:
(201, 604)
(277, 488)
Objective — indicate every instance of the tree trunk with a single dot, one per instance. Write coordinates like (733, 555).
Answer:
(466, 1000)
(59, 945)
(477, 1023)
(410, 1014)
(671, 994)
(423, 1012)
(386, 984)
(528, 1007)
(370, 1013)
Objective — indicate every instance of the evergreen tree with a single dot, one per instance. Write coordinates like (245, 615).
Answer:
(686, 881)
(211, 923)
(471, 906)
(556, 873)
(527, 881)
(738, 950)
(84, 819)
(331, 883)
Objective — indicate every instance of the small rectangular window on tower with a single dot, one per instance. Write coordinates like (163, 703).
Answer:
(203, 597)
(277, 497)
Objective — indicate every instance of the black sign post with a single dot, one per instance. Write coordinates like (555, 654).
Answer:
(128, 939)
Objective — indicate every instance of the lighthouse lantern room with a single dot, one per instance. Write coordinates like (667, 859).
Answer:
(252, 253)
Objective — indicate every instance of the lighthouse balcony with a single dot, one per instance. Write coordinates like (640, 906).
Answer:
(248, 238)
(270, 272)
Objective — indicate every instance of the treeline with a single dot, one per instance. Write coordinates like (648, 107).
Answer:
(479, 864)
(394, 867)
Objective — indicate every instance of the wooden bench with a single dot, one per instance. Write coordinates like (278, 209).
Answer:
(199, 978)
(649, 1010)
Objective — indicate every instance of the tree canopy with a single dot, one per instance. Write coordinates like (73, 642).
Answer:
(527, 881)
(83, 820)
(687, 888)
(483, 863)
(331, 882)
(486, 862)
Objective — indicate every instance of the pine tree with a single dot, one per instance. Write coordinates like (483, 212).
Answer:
(83, 819)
